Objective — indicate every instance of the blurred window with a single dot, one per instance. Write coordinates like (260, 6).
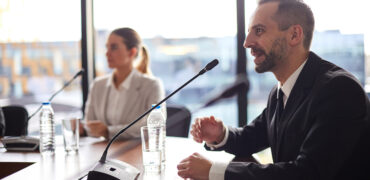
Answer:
(39, 52)
(182, 37)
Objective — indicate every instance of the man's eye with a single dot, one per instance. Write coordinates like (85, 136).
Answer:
(259, 30)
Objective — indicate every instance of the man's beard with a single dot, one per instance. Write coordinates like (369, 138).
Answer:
(277, 53)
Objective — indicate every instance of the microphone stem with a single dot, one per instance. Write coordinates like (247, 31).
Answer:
(65, 85)
(52, 97)
(104, 156)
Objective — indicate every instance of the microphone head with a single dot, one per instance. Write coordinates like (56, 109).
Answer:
(79, 73)
(209, 66)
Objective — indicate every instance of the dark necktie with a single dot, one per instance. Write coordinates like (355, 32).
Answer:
(279, 105)
(277, 121)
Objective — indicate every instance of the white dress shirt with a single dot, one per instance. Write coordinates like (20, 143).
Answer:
(217, 171)
(117, 98)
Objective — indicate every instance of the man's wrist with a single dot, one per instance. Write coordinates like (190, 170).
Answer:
(217, 171)
(222, 136)
(223, 139)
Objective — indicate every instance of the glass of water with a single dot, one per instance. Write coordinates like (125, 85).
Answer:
(71, 135)
(152, 148)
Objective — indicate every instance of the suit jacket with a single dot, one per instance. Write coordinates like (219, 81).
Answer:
(323, 132)
(144, 91)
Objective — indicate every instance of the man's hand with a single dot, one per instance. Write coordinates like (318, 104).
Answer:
(97, 129)
(208, 129)
(195, 167)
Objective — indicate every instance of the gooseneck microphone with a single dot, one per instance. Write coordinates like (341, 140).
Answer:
(60, 90)
(101, 170)
(27, 143)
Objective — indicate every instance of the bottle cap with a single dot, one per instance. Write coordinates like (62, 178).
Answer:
(156, 107)
(45, 103)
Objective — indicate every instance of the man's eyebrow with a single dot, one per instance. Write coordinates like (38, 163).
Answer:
(112, 44)
(258, 25)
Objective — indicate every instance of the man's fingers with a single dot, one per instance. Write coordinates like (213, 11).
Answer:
(194, 128)
(197, 120)
(185, 160)
(195, 132)
(181, 165)
(192, 167)
(198, 140)
(213, 120)
(196, 135)
(183, 173)
(183, 168)
(192, 132)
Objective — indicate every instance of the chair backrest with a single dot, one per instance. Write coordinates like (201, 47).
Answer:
(178, 121)
(2, 123)
(16, 120)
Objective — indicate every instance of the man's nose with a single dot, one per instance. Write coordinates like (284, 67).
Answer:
(245, 43)
(249, 41)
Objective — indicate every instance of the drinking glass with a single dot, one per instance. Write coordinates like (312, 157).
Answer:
(71, 135)
(151, 141)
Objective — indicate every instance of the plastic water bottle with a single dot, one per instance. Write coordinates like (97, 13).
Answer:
(155, 119)
(47, 129)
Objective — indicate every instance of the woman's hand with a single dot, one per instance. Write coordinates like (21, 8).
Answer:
(96, 129)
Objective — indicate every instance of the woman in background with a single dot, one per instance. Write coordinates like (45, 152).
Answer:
(117, 99)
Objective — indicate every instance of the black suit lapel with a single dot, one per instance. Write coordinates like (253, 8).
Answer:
(273, 125)
(300, 91)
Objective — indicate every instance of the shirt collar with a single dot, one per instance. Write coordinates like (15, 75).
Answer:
(125, 84)
(289, 83)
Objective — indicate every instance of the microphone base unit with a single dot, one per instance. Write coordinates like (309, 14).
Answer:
(112, 170)
(21, 143)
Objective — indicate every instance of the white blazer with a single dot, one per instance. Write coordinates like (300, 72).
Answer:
(143, 92)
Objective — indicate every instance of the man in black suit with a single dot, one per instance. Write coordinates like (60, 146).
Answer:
(317, 117)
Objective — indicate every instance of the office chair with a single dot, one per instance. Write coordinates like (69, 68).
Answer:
(16, 120)
(178, 121)
(2, 123)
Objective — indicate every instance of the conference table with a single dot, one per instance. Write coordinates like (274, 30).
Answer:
(31, 165)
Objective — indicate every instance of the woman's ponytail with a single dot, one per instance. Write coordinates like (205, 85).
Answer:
(144, 65)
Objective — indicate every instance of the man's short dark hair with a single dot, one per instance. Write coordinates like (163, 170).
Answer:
(293, 12)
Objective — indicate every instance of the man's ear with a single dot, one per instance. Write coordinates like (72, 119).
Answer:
(295, 35)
